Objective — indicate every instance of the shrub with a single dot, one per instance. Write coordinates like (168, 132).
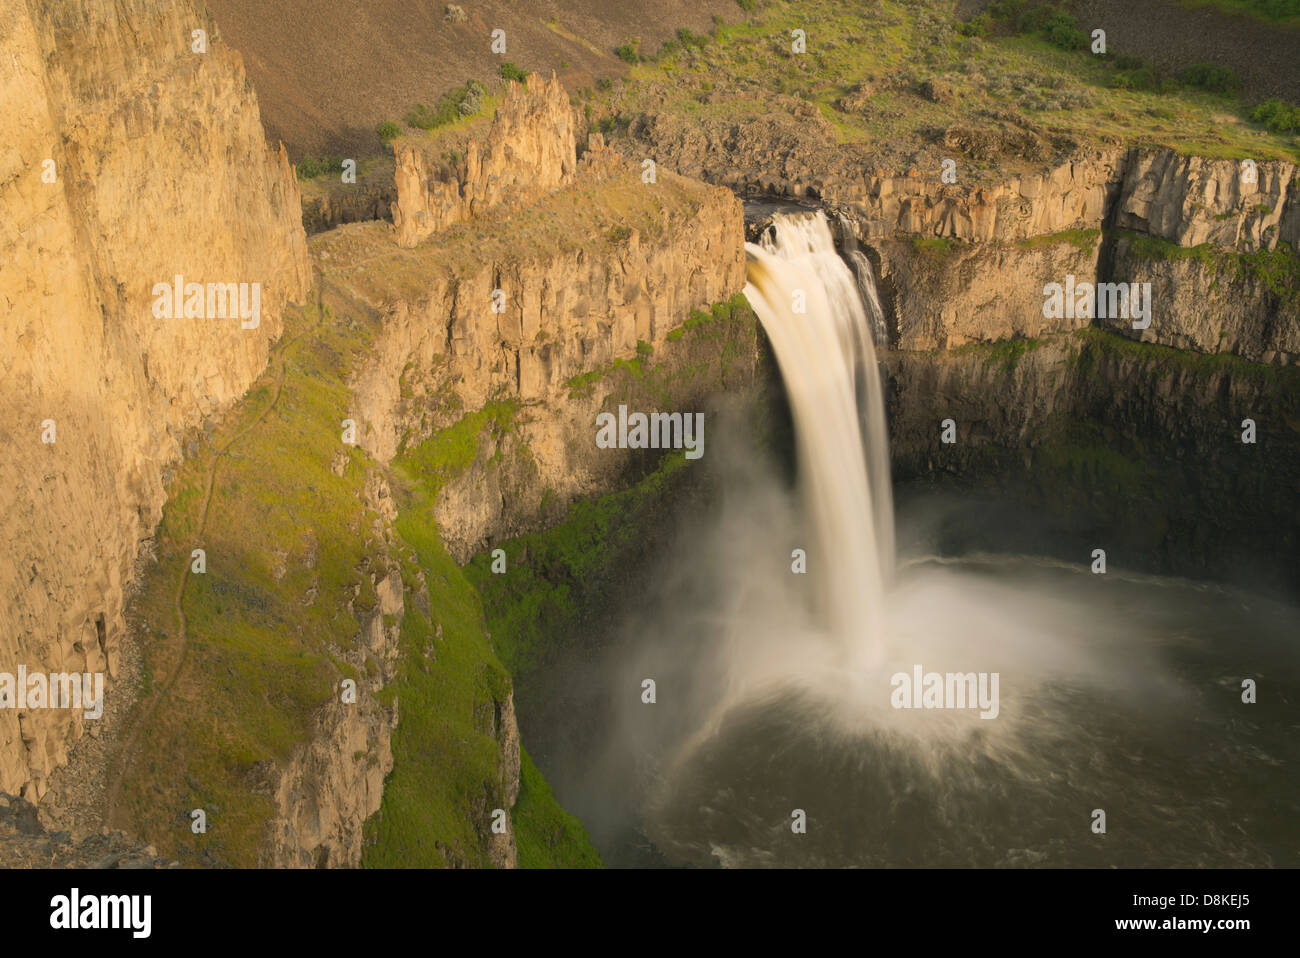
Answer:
(1207, 76)
(1139, 79)
(691, 39)
(1006, 9)
(509, 71)
(1034, 19)
(749, 6)
(388, 130)
(1277, 116)
(627, 53)
(309, 168)
(1124, 61)
(1062, 30)
(976, 27)
(451, 106)
(475, 94)
(670, 48)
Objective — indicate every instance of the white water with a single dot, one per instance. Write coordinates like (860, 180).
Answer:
(828, 363)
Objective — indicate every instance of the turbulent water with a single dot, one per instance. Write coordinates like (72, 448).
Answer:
(1118, 693)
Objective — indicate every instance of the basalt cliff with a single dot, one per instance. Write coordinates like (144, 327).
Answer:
(131, 159)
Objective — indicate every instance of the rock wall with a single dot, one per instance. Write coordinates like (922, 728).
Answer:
(129, 159)
(529, 149)
(1193, 200)
(329, 787)
(1073, 195)
(943, 297)
(569, 313)
(974, 267)
(1087, 441)
(967, 261)
(1213, 301)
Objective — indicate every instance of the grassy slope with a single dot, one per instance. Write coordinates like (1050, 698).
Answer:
(556, 575)
(288, 545)
(894, 46)
(259, 658)
(446, 680)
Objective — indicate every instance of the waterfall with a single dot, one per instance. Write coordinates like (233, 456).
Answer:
(812, 309)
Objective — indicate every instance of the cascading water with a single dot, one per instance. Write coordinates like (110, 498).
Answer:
(812, 309)
(1114, 690)
(866, 285)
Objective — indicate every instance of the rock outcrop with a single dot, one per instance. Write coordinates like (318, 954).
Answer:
(1238, 205)
(1213, 301)
(132, 159)
(975, 268)
(949, 294)
(613, 290)
(330, 786)
(529, 149)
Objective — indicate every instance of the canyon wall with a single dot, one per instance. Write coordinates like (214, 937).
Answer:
(601, 267)
(1085, 440)
(1223, 276)
(568, 312)
(131, 159)
(967, 261)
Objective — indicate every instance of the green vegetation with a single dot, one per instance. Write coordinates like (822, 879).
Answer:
(544, 831)
(934, 248)
(1278, 270)
(268, 640)
(572, 568)
(309, 168)
(388, 131)
(1085, 240)
(453, 105)
(1281, 383)
(889, 77)
(1007, 353)
(688, 38)
(721, 326)
(285, 544)
(627, 53)
(509, 71)
(1207, 76)
(450, 686)
(1277, 117)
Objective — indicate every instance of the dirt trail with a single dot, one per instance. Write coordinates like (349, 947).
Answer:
(128, 750)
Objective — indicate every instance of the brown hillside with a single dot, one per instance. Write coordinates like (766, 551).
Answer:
(327, 72)
(1170, 36)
